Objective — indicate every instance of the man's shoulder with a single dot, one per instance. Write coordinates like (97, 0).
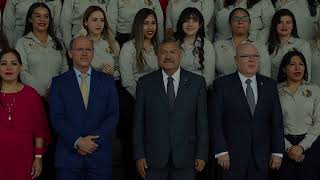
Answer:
(150, 77)
(62, 77)
(266, 80)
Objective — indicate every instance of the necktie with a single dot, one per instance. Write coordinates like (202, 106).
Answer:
(250, 96)
(84, 89)
(170, 92)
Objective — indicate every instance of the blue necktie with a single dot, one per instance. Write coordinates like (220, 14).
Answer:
(250, 96)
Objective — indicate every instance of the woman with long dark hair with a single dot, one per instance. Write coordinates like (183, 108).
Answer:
(138, 57)
(42, 53)
(197, 51)
(14, 17)
(175, 7)
(239, 22)
(300, 102)
(260, 11)
(307, 15)
(24, 131)
(283, 37)
(121, 15)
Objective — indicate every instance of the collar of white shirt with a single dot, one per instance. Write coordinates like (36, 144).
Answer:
(243, 78)
(176, 80)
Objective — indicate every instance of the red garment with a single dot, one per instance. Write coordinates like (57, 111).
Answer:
(164, 4)
(28, 120)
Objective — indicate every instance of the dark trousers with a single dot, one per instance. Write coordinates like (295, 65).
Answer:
(169, 172)
(48, 169)
(122, 38)
(124, 131)
(83, 174)
(308, 169)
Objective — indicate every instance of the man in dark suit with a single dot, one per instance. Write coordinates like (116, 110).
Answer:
(170, 124)
(246, 119)
(83, 112)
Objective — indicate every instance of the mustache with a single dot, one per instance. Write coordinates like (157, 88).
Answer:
(168, 61)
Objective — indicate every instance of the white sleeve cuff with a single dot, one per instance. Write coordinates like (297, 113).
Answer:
(220, 154)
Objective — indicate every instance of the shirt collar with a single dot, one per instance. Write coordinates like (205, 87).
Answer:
(243, 78)
(78, 73)
(175, 76)
(30, 35)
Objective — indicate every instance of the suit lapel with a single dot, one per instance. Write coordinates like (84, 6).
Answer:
(94, 82)
(162, 91)
(240, 92)
(75, 88)
(183, 86)
(261, 92)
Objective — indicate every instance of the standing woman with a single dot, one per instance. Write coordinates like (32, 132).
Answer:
(121, 15)
(283, 37)
(300, 102)
(175, 7)
(307, 16)
(315, 60)
(14, 17)
(240, 23)
(24, 131)
(72, 15)
(42, 54)
(260, 11)
(138, 57)
(106, 48)
(198, 52)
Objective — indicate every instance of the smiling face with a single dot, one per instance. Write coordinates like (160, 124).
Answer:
(149, 27)
(95, 23)
(191, 27)
(9, 67)
(285, 26)
(295, 69)
(40, 19)
(169, 57)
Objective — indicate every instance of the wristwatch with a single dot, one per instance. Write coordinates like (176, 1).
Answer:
(38, 156)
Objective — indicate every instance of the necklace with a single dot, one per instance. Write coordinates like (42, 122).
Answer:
(9, 106)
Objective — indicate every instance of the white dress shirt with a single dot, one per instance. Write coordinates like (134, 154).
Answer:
(176, 80)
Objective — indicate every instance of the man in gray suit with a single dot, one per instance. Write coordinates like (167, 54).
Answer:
(170, 124)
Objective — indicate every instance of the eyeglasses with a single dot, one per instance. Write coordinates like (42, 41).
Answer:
(82, 50)
(240, 18)
(249, 57)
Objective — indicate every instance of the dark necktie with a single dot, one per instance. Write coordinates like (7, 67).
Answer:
(250, 96)
(170, 92)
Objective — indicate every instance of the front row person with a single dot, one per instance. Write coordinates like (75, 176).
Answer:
(24, 131)
(301, 114)
(170, 132)
(247, 126)
(83, 111)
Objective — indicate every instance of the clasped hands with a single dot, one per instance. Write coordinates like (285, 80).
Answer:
(296, 153)
(87, 145)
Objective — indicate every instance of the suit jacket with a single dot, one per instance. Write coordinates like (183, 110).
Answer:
(236, 130)
(71, 120)
(182, 132)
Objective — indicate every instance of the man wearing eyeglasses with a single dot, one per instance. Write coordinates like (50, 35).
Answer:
(247, 126)
(83, 111)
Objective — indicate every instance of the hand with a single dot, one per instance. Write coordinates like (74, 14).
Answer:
(82, 153)
(224, 161)
(199, 164)
(107, 68)
(275, 162)
(87, 144)
(300, 158)
(141, 165)
(294, 152)
(36, 168)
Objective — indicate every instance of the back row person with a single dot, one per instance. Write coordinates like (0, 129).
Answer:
(14, 18)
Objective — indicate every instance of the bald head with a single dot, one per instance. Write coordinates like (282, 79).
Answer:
(82, 38)
(247, 59)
